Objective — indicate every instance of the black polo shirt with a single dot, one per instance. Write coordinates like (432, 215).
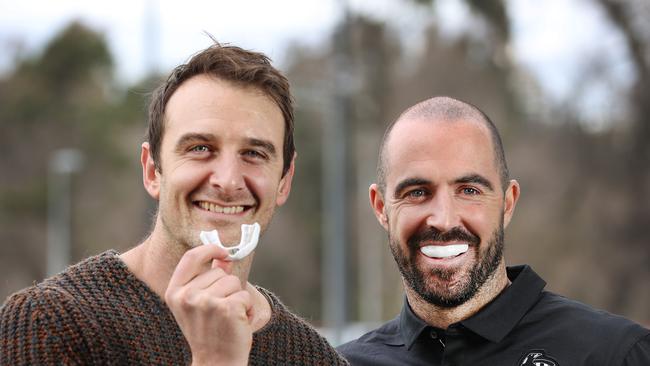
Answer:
(524, 325)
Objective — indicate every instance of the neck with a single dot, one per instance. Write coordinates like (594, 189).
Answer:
(442, 317)
(154, 260)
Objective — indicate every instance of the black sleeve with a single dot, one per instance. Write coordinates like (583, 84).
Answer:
(639, 354)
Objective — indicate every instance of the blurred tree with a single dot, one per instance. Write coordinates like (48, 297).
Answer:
(493, 16)
(631, 163)
(64, 97)
(588, 222)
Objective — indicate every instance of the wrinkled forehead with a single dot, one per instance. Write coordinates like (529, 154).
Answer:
(465, 142)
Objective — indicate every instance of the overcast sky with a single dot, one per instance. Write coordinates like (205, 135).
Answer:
(550, 37)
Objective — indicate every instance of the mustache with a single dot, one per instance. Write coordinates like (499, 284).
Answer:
(433, 234)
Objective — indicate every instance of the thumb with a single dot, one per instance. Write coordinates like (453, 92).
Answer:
(225, 265)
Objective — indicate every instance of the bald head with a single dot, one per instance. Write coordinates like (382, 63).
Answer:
(444, 109)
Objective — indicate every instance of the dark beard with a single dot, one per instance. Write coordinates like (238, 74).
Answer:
(417, 280)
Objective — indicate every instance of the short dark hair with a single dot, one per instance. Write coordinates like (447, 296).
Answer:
(446, 109)
(241, 67)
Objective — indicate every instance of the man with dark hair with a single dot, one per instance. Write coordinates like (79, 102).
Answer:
(219, 156)
(444, 197)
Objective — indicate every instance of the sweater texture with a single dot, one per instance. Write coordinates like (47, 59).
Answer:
(98, 313)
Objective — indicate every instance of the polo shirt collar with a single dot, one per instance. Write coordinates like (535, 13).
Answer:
(501, 315)
(410, 325)
(496, 319)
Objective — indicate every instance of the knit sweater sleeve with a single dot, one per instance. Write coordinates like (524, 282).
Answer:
(46, 326)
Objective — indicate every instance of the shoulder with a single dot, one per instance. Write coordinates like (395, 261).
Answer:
(372, 344)
(53, 297)
(39, 305)
(50, 321)
(583, 326)
(291, 338)
(45, 324)
(387, 333)
(578, 313)
(639, 353)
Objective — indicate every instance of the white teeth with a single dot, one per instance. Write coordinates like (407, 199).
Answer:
(220, 209)
(444, 251)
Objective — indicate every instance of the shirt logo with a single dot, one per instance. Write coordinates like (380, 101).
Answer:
(537, 358)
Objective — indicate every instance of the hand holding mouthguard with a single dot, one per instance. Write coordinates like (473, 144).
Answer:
(250, 235)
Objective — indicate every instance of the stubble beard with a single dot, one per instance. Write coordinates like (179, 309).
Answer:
(424, 283)
(177, 230)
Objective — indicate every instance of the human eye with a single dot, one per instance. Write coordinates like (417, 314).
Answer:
(254, 154)
(415, 194)
(199, 149)
(470, 191)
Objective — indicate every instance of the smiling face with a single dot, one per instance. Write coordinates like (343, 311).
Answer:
(221, 162)
(443, 207)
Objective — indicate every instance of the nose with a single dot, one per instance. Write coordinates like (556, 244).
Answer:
(227, 174)
(442, 213)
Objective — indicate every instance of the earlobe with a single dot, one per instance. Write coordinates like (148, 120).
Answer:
(510, 201)
(378, 205)
(150, 176)
(284, 188)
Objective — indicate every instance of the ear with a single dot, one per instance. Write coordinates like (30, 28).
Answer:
(150, 175)
(284, 188)
(510, 201)
(378, 205)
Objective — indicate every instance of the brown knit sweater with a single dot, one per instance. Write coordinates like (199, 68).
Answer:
(99, 313)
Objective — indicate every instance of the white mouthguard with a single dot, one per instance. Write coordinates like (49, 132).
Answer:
(444, 251)
(250, 235)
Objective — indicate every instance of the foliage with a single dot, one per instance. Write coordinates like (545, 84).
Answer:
(64, 97)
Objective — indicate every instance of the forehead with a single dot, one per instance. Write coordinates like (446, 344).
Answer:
(438, 149)
(206, 102)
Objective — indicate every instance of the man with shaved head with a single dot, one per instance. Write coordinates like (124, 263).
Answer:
(444, 196)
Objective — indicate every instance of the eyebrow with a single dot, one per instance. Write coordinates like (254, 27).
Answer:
(471, 178)
(476, 179)
(409, 182)
(193, 137)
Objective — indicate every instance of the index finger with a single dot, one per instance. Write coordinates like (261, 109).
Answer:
(194, 262)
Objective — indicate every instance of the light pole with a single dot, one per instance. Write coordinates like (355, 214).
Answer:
(335, 196)
(62, 164)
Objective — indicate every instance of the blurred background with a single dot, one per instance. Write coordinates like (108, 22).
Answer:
(566, 82)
